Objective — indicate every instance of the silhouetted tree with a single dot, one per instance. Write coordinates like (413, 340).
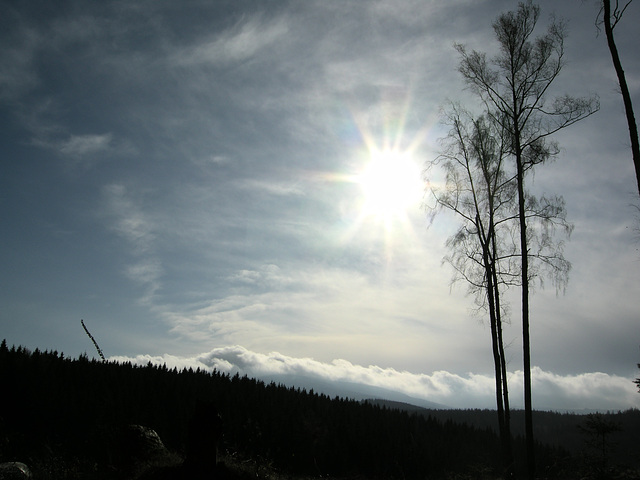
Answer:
(514, 87)
(481, 194)
(610, 17)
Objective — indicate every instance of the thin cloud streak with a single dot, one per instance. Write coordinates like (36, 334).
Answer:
(237, 44)
(79, 145)
(131, 224)
(587, 391)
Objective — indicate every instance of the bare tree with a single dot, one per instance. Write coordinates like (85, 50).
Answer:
(481, 188)
(611, 17)
(514, 87)
(477, 190)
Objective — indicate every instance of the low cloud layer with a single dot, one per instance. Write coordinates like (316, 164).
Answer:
(587, 391)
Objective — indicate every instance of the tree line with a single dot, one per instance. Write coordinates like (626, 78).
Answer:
(58, 407)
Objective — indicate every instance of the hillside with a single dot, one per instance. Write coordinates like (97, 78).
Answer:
(59, 412)
(556, 429)
(354, 391)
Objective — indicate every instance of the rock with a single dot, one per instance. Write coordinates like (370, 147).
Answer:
(14, 471)
(143, 443)
(140, 447)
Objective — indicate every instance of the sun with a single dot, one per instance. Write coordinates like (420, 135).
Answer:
(391, 186)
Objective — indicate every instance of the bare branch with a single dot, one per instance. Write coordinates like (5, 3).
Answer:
(95, 344)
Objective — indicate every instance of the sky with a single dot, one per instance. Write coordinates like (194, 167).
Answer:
(207, 183)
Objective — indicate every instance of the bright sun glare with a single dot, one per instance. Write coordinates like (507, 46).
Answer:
(391, 185)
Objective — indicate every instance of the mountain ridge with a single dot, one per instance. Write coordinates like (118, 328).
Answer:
(352, 390)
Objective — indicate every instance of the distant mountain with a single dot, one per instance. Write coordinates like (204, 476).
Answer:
(402, 406)
(352, 390)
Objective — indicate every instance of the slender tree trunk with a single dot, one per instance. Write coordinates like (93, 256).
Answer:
(624, 89)
(497, 364)
(508, 450)
(526, 349)
(489, 252)
(489, 268)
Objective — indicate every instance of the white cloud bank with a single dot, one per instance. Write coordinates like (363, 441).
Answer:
(587, 391)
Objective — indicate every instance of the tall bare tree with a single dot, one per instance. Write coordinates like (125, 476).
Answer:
(610, 17)
(478, 191)
(514, 87)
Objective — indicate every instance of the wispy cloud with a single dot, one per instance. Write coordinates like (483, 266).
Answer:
(294, 302)
(82, 151)
(273, 187)
(131, 224)
(570, 392)
(145, 272)
(266, 276)
(239, 43)
(80, 145)
(129, 221)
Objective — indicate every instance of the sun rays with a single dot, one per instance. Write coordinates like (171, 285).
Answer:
(386, 169)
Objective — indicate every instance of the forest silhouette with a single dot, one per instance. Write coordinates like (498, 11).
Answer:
(63, 416)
